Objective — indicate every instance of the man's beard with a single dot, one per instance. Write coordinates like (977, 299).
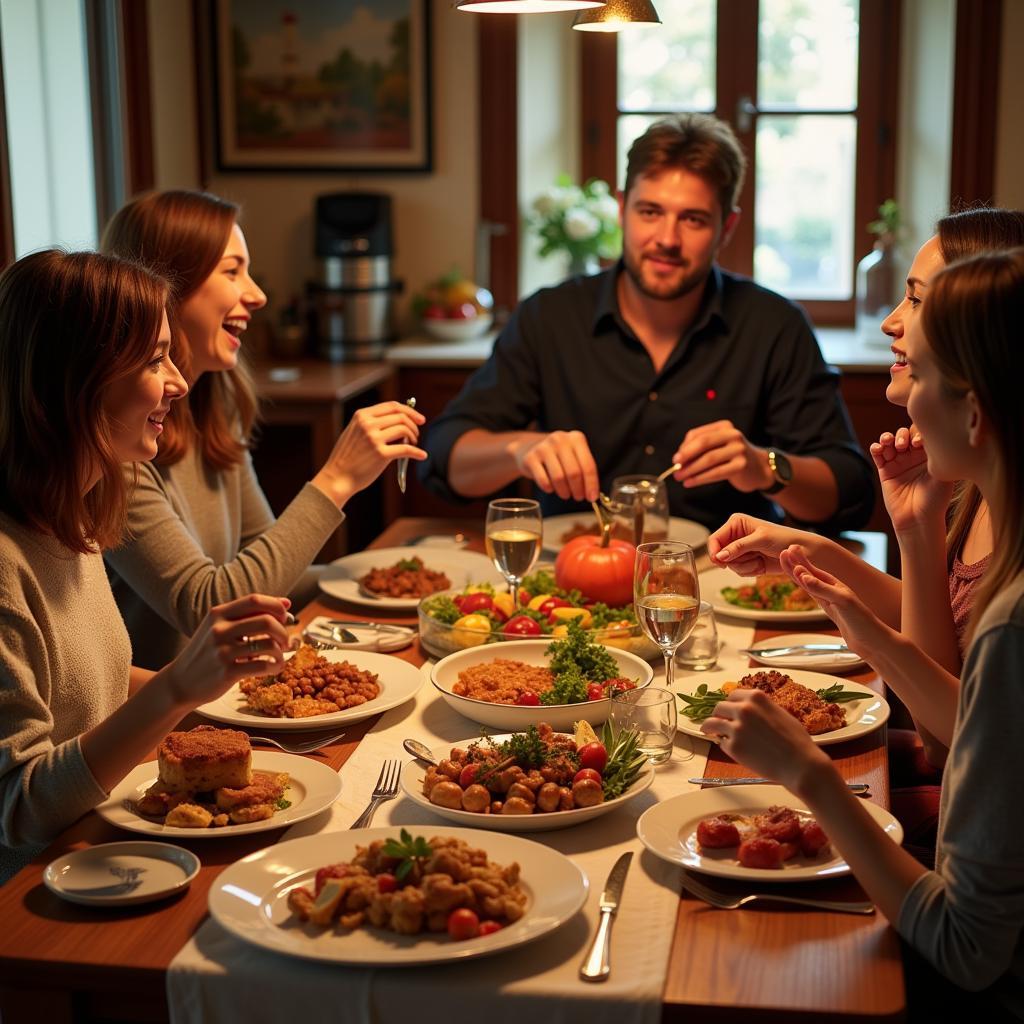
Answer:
(665, 290)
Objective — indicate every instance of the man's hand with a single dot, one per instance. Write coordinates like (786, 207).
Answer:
(719, 451)
(560, 462)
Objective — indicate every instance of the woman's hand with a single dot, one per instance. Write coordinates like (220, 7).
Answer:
(749, 546)
(241, 638)
(913, 497)
(374, 437)
(758, 733)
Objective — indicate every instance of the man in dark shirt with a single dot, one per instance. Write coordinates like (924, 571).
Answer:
(663, 359)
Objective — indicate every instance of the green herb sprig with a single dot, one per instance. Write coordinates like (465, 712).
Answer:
(527, 748)
(701, 703)
(577, 650)
(625, 762)
(408, 852)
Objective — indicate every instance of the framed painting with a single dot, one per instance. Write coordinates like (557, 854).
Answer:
(325, 85)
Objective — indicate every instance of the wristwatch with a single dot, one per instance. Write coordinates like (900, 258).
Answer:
(781, 470)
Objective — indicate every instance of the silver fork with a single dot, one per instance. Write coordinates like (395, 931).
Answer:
(386, 789)
(300, 746)
(724, 902)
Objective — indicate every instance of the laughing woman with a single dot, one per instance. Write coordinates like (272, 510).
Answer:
(966, 918)
(85, 385)
(200, 530)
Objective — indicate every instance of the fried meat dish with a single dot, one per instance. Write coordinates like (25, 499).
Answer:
(408, 577)
(813, 713)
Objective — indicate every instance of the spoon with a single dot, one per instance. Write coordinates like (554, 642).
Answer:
(417, 749)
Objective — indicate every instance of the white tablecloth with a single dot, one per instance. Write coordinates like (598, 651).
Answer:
(217, 977)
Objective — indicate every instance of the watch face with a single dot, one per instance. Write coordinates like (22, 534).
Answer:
(782, 469)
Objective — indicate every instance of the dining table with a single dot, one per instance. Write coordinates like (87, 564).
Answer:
(63, 962)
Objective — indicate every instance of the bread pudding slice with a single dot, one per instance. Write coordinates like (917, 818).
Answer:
(205, 758)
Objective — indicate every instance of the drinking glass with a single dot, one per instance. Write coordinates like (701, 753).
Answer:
(644, 507)
(666, 596)
(652, 712)
(699, 651)
(512, 538)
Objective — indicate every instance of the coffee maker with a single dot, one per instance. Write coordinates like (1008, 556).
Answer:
(352, 305)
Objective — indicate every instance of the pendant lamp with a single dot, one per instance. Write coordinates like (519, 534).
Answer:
(526, 6)
(615, 15)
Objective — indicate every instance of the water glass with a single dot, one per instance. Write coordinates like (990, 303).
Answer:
(513, 538)
(699, 651)
(652, 712)
(643, 503)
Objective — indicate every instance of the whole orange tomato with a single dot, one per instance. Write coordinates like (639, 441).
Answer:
(599, 573)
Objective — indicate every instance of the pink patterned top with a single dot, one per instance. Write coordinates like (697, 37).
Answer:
(963, 584)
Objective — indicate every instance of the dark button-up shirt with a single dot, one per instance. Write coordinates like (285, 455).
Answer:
(568, 361)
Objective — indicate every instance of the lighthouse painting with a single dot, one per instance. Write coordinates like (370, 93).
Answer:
(322, 84)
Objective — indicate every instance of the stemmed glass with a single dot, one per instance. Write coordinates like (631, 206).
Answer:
(513, 537)
(666, 595)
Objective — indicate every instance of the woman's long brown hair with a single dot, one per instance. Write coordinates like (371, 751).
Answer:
(961, 235)
(182, 235)
(972, 320)
(71, 325)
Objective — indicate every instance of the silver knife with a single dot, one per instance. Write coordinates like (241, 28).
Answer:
(853, 787)
(596, 966)
(403, 464)
(771, 652)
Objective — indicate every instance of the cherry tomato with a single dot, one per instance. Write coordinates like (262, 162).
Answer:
(463, 924)
(330, 871)
(593, 755)
(479, 602)
(435, 312)
(386, 882)
(528, 699)
(595, 691)
(468, 775)
(587, 773)
(458, 599)
(760, 852)
(489, 927)
(521, 625)
(551, 604)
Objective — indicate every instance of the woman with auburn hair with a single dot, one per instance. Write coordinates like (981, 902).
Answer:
(86, 383)
(966, 918)
(200, 530)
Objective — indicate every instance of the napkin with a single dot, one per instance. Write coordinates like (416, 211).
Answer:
(216, 976)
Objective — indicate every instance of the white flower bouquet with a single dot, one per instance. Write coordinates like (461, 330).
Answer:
(581, 221)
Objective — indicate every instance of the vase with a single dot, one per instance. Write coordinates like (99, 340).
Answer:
(581, 266)
(879, 280)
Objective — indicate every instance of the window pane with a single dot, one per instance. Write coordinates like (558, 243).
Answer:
(804, 248)
(629, 127)
(807, 54)
(670, 66)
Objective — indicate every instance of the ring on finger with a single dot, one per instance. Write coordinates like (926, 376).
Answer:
(251, 646)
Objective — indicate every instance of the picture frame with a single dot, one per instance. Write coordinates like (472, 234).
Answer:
(322, 85)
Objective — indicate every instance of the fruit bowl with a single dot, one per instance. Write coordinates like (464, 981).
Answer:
(458, 330)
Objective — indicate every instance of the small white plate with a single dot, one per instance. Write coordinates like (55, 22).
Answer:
(412, 785)
(398, 680)
(679, 529)
(250, 900)
(862, 716)
(669, 831)
(712, 582)
(341, 578)
(118, 874)
(823, 661)
(314, 786)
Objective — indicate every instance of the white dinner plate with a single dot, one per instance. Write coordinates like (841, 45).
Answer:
(398, 681)
(412, 785)
(249, 899)
(669, 830)
(119, 874)
(712, 581)
(684, 530)
(314, 786)
(341, 578)
(862, 716)
(823, 661)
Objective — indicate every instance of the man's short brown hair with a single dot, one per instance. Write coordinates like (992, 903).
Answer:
(698, 143)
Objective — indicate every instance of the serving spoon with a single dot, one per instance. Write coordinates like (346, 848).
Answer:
(417, 749)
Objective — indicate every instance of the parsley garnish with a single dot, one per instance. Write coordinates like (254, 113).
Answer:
(527, 748)
(578, 651)
(408, 852)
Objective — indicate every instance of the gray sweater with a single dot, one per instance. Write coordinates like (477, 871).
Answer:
(201, 537)
(967, 916)
(64, 667)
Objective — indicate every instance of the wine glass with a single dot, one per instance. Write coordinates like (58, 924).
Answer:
(666, 595)
(512, 537)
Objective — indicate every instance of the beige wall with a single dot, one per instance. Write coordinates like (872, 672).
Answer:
(434, 214)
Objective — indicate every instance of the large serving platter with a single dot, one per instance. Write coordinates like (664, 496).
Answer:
(249, 899)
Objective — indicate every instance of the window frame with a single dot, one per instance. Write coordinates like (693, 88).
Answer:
(736, 76)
